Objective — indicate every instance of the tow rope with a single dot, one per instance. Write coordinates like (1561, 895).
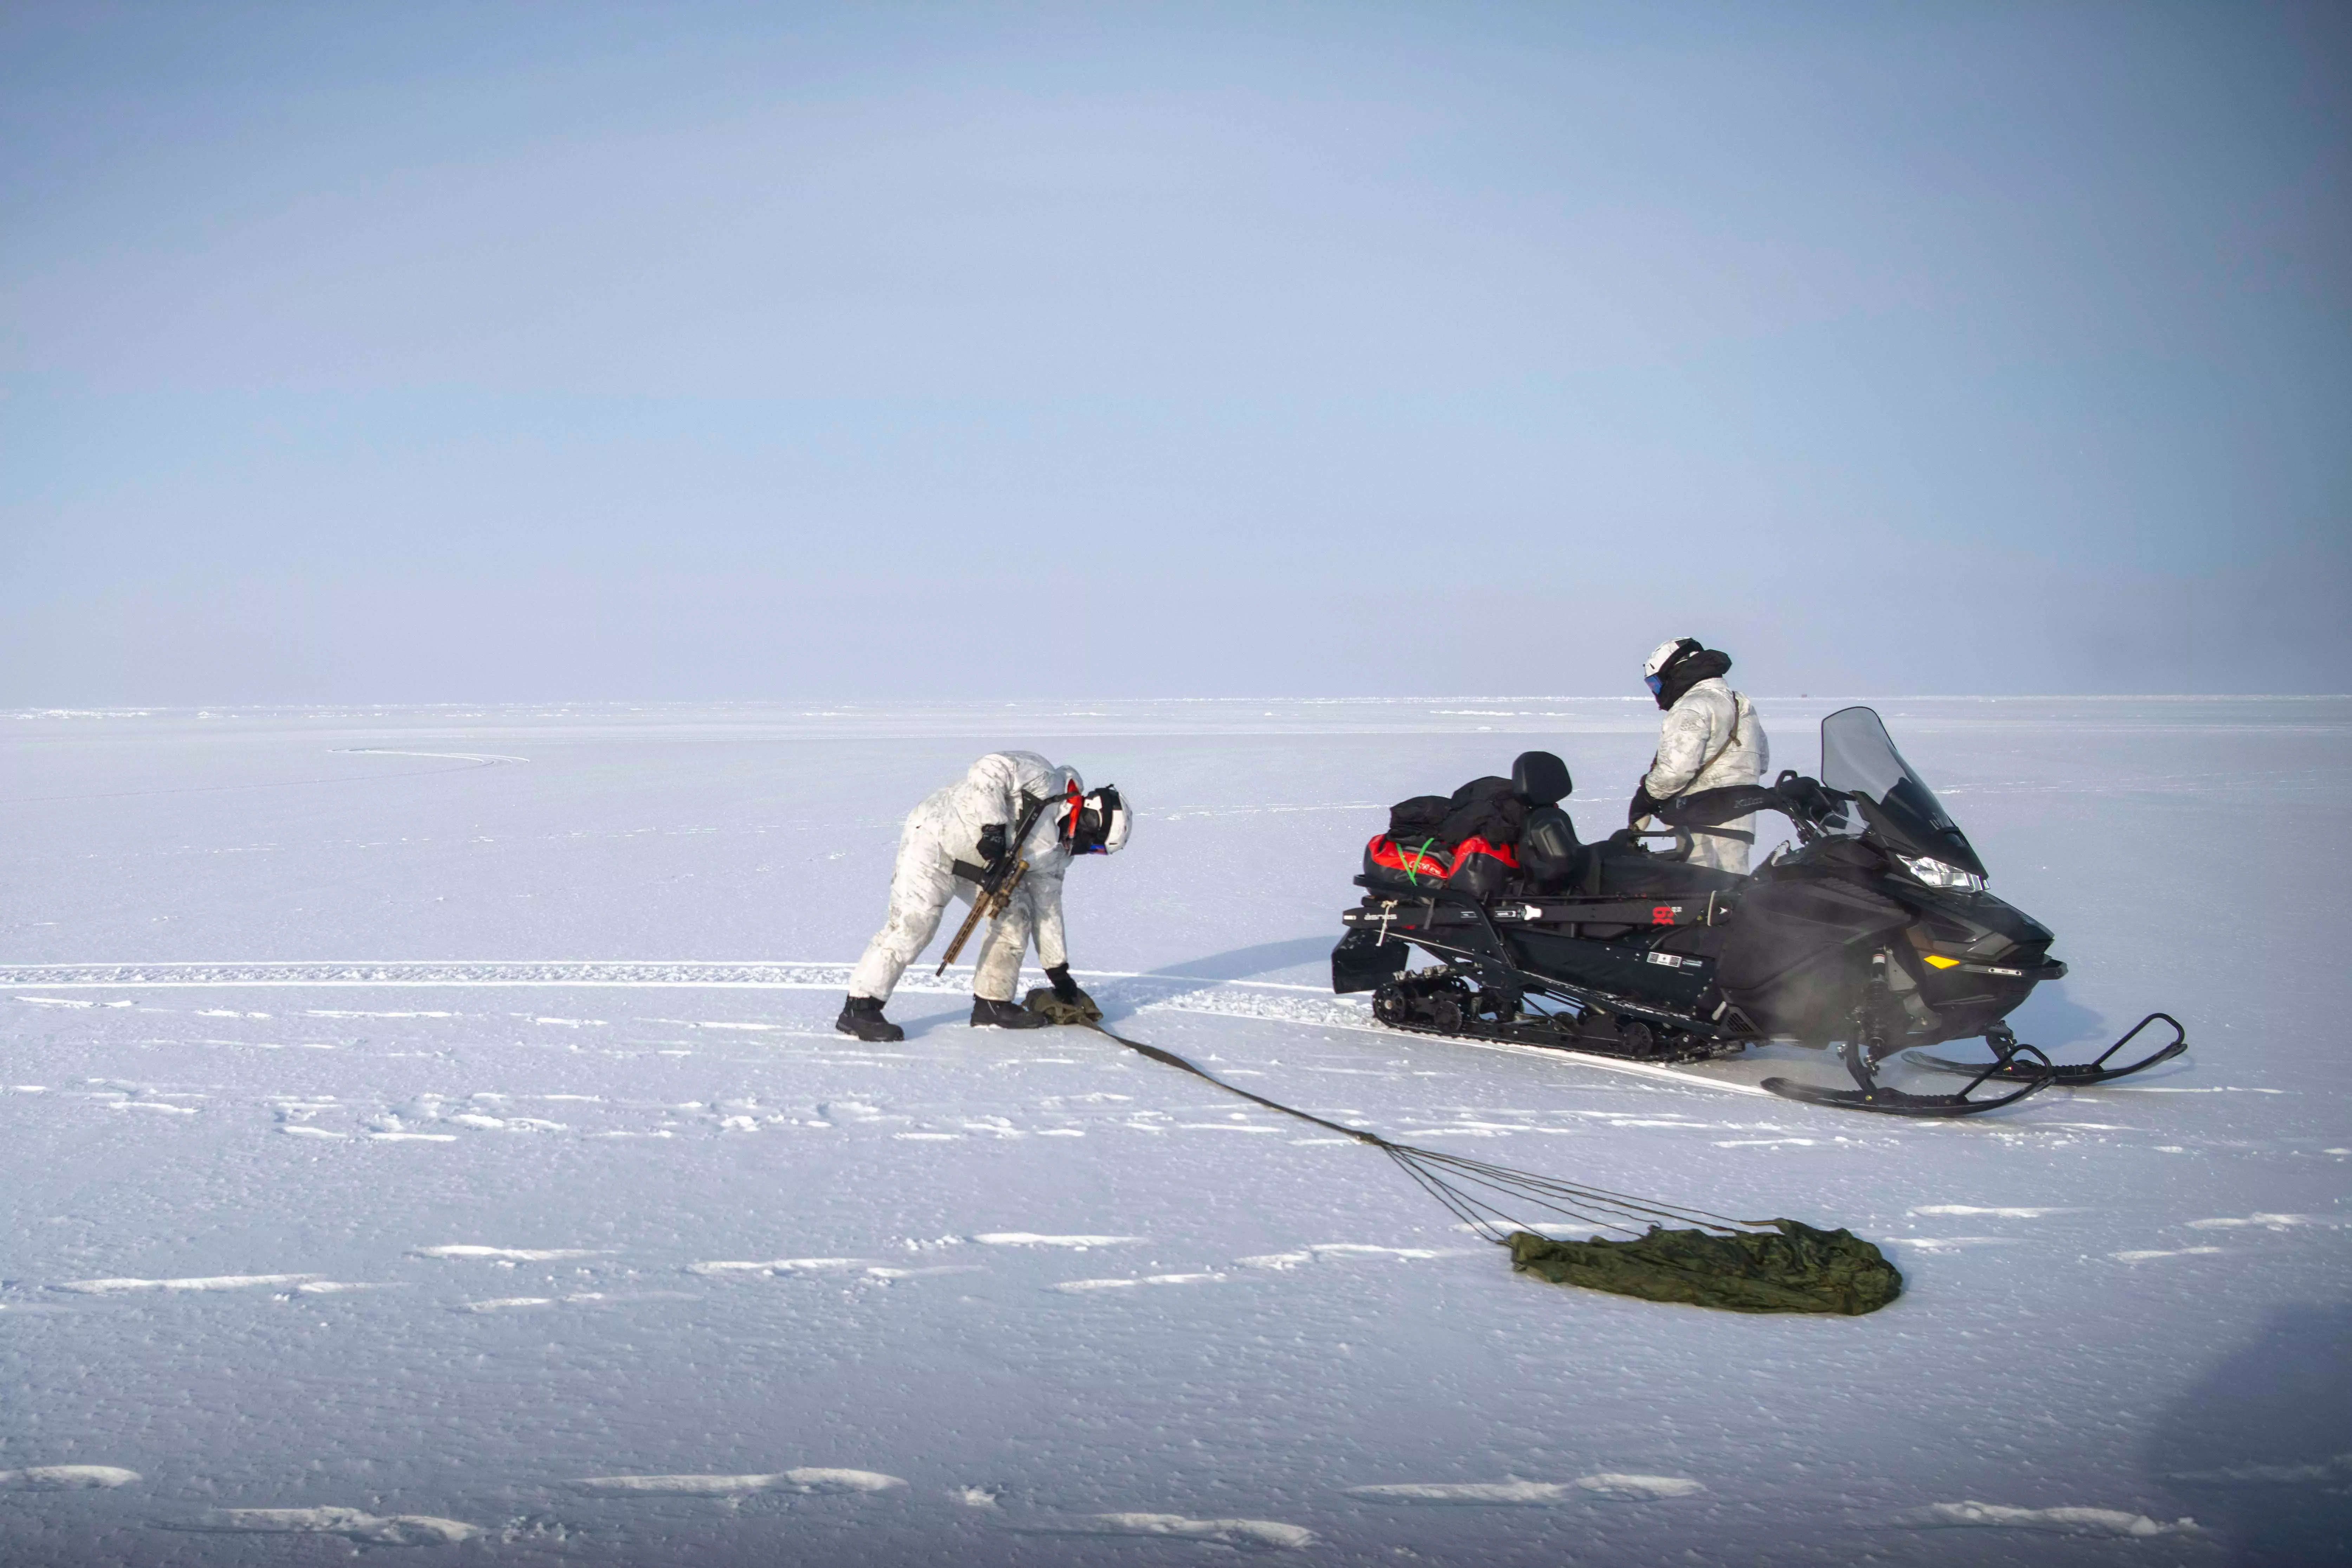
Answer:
(1704, 1260)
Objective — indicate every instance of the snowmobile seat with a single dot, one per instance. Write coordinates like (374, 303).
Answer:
(1550, 853)
(1627, 869)
(1541, 779)
(1551, 856)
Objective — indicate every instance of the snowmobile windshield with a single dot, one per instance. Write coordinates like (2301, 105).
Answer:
(1859, 759)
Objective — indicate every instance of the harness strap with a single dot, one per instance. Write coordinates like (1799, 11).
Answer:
(1716, 756)
(1729, 740)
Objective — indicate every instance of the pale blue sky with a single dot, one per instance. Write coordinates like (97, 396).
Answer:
(469, 352)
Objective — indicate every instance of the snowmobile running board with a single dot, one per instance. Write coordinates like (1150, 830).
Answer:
(2076, 1075)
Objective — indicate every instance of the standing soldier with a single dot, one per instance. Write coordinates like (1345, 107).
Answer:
(1710, 738)
(964, 841)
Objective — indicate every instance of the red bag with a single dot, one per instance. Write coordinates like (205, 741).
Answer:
(1480, 868)
(1419, 866)
(1474, 866)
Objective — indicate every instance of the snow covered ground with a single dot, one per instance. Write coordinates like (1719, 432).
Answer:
(451, 1154)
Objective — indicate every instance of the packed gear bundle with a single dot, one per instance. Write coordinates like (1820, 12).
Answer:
(1706, 1259)
(1472, 839)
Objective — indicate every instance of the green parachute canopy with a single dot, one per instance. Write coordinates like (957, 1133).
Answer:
(1792, 1268)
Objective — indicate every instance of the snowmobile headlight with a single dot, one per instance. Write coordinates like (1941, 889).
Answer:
(1935, 874)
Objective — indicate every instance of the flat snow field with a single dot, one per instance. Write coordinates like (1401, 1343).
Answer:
(422, 1129)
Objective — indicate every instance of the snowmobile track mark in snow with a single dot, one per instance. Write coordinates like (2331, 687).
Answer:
(1191, 993)
(1269, 1000)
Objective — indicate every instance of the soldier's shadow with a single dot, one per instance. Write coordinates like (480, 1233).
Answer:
(1191, 976)
(1242, 963)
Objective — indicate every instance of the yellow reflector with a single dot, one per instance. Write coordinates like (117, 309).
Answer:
(1940, 962)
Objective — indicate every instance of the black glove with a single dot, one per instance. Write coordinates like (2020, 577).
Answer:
(1065, 1004)
(1643, 804)
(1805, 796)
(991, 843)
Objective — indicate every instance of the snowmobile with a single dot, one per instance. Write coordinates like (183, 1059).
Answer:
(1871, 935)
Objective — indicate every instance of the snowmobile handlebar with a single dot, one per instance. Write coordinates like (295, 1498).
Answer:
(1805, 802)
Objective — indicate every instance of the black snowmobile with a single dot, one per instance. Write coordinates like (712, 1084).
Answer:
(1872, 933)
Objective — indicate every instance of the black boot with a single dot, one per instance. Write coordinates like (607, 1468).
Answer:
(862, 1016)
(989, 1013)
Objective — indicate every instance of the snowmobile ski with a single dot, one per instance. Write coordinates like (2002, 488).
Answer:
(1894, 1101)
(2073, 1075)
(1869, 1094)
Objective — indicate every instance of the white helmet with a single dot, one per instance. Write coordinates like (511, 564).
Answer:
(1653, 668)
(1665, 653)
(1097, 823)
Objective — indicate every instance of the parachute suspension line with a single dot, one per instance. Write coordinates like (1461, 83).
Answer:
(1463, 1185)
(1711, 1261)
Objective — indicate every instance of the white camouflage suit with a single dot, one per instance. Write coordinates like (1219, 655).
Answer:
(945, 829)
(1710, 738)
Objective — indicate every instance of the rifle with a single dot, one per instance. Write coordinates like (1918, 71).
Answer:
(998, 882)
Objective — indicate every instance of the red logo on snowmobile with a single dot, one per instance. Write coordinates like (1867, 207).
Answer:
(1662, 914)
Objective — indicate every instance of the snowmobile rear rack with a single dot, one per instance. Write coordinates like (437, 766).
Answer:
(2074, 1075)
(1437, 909)
(1476, 955)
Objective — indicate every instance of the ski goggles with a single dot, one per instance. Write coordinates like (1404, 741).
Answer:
(1656, 683)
